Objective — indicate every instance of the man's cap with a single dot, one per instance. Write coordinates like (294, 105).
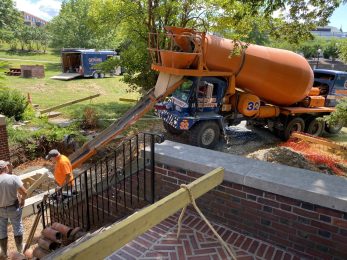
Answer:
(3, 164)
(52, 153)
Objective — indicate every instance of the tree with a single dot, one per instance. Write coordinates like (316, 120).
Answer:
(342, 47)
(9, 15)
(331, 51)
(10, 19)
(71, 27)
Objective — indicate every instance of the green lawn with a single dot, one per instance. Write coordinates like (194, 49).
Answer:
(47, 92)
(50, 55)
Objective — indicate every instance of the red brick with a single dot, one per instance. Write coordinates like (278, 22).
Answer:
(268, 216)
(187, 247)
(250, 204)
(306, 213)
(287, 200)
(306, 228)
(320, 240)
(239, 241)
(238, 193)
(253, 191)
(339, 238)
(254, 247)
(284, 214)
(131, 251)
(278, 254)
(160, 170)
(284, 228)
(340, 222)
(269, 252)
(324, 226)
(267, 202)
(321, 255)
(330, 212)
(245, 245)
(261, 250)
(237, 186)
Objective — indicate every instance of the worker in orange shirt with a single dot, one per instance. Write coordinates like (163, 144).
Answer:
(63, 169)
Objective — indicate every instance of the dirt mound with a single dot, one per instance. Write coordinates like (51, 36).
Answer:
(286, 156)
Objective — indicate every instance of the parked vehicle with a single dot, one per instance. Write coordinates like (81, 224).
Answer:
(268, 87)
(265, 86)
(81, 62)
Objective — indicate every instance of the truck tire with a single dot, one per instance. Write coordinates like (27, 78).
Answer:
(171, 129)
(334, 129)
(95, 75)
(101, 75)
(315, 127)
(297, 124)
(205, 134)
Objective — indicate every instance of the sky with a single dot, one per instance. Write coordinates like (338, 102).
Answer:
(46, 9)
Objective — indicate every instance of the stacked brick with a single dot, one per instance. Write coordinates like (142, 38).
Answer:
(308, 230)
(32, 71)
(4, 148)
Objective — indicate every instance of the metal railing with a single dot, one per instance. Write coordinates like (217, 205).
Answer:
(112, 188)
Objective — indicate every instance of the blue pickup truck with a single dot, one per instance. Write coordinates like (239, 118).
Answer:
(81, 62)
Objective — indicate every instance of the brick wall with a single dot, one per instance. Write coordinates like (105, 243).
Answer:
(4, 149)
(306, 229)
(37, 71)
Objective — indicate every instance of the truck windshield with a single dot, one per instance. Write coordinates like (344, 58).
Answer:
(183, 91)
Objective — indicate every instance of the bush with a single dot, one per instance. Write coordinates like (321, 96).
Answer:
(89, 118)
(12, 103)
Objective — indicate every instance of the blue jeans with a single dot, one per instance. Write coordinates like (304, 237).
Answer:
(15, 215)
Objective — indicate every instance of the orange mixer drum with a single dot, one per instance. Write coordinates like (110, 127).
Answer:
(277, 76)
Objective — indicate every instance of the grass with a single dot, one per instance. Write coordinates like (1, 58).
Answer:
(47, 92)
(50, 55)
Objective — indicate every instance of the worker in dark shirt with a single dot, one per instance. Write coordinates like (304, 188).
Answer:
(12, 198)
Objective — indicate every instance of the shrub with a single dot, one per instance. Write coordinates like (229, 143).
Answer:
(89, 118)
(12, 103)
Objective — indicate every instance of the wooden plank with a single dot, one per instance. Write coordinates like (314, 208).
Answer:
(36, 184)
(68, 103)
(121, 233)
(321, 141)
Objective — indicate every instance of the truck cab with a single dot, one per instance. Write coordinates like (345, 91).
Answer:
(195, 106)
(332, 84)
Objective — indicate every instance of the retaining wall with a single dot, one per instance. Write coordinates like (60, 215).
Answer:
(4, 148)
(301, 211)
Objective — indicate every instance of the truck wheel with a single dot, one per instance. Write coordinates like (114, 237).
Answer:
(101, 75)
(297, 124)
(95, 75)
(334, 129)
(205, 134)
(315, 127)
(171, 129)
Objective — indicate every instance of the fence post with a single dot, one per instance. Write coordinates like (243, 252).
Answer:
(87, 199)
(43, 215)
(152, 168)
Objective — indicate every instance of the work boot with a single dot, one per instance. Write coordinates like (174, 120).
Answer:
(19, 243)
(3, 246)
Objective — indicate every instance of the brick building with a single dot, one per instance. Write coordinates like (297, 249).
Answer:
(33, 20)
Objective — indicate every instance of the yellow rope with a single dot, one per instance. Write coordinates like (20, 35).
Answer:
(192, 200)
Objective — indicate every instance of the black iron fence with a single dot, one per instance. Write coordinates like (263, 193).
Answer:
(110, 189)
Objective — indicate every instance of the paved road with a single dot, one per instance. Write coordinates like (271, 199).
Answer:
(45, 61)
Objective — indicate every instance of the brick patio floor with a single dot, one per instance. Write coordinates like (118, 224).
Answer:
(196, 242)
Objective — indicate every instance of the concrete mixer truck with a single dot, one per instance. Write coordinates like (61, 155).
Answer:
(268, 87)
(210, 90)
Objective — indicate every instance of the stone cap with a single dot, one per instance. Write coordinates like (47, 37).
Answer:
(313, 187)
(2, 120)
